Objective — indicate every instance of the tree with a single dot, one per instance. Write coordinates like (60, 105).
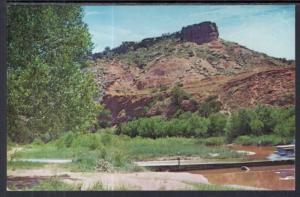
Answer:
(178, 95)
(47, 92)
(217, 124)
(209, 106)
(239, 123)
(256, 126)
(286, 128)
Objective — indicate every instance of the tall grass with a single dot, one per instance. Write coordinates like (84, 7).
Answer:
(264, 140)
(109, 152)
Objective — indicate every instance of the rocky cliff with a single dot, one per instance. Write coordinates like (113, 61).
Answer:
(138, 77)
(200, 33)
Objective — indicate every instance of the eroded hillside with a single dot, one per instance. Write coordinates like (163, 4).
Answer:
(138, 78)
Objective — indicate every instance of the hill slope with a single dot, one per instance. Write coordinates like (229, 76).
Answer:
(138, 77)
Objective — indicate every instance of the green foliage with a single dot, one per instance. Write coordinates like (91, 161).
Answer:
(178, 95)
(260, 121)
(120, 154)
(263, 140)
(215, 141)
(209, 106)
(256, 126)
(187, 125)
(47, 92)
(13, 165)
(244, 140)
(196, 126)
(104, 118)
(212, 187)
(286, 128)
(239, 123)
(217, 124)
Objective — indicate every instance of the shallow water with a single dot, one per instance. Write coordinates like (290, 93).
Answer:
(269, 177)
(261, 152)
(52, 161)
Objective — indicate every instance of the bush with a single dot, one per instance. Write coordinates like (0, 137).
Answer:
(106, 139)
(185, 125)
(104, 118)
(217, 124)
(255, 122)
(178, 95)
(37, 141)
(215, 141)
(243, 122)
(244, 140)
(286, 128)
(263, 140)
(196, 126)
(256, 127)
(90, 141)
(209, 106)
(68, 139)
(88, 162)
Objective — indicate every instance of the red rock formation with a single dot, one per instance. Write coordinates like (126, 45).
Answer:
(188, 105)
(266, 87)
(200, 33)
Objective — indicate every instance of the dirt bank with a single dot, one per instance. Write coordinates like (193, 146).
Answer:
(138, 180)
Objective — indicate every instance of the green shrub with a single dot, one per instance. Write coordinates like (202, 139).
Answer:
(263, 140)
(244, 140)
(187, 124)
(68, 139)
(37, 141)
(217, 124)
(215, 141)
(88, 161)
(286, 128)
(256, 127)
(90, 141)
(209, 106)
(106, 139)
(178, 95)
(240, 123)
(197, 126)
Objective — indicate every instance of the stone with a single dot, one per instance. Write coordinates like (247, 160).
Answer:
(188, 105)
(200, 33)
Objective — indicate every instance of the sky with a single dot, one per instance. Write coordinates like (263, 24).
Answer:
(265, 28)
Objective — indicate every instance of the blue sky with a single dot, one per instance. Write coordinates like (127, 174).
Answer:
(265, 28)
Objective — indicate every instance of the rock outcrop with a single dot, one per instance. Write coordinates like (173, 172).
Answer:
(200, 33)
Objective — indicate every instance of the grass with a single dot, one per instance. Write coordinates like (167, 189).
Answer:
(211, 187)
(99, 186)
(49, 151)
(108, 152)
(215, 141)
(12, 165)
(142, 148)
(263, 140)
(54, 184)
